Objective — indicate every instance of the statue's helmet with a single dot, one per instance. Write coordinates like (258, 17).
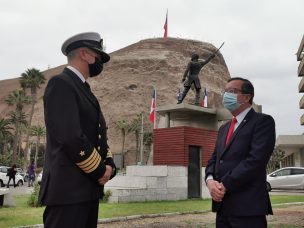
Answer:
(194, 57)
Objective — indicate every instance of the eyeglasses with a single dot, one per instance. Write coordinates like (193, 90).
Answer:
(231, 90)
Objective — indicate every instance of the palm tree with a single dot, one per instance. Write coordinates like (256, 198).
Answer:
(18, 119)
(32, 79)
(135, 128)
(39, 132)
(124, 128)
(5, 133)
(19, 99)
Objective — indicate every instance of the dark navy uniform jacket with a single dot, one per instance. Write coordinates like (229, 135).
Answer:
(241, 165)
(77, 149)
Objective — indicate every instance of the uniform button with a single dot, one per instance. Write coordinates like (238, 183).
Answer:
(99, 125)
(221, 161)
(99, 136)
(98, 148)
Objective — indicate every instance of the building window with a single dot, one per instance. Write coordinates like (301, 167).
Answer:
(288, 161)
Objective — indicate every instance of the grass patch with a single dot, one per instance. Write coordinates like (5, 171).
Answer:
(278, 199)
(22, 215)
(152, 207)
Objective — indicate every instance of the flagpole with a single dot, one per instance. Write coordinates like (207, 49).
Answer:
(154, 124)
(142, 139)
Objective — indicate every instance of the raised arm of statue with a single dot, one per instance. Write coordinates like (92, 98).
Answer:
(210, 57)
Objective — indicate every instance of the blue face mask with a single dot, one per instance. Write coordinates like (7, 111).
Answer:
(230, 101)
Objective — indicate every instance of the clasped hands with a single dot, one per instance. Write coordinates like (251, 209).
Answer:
(217, 190)
(106, 177)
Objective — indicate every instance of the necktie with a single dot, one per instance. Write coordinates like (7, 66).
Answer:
(87, 85)
(231, 129)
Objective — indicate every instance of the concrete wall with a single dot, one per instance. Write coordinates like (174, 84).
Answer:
(149, 183)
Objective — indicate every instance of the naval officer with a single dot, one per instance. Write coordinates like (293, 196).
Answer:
(78, 161)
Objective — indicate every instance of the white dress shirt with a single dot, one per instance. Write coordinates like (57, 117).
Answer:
(77, 73)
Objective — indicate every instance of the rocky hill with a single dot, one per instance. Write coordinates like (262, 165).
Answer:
(124, 88)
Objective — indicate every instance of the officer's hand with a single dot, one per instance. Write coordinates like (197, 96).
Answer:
(106, 177)
(216, 189)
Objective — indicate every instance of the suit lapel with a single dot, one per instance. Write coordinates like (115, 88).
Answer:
(235, 133)
(80, 86)
(224, 135)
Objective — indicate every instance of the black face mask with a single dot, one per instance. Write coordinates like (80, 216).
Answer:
(96, 67)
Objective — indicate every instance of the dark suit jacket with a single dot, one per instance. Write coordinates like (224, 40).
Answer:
(77, 149)
(241, 165)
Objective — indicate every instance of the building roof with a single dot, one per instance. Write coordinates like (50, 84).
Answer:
(294, 141)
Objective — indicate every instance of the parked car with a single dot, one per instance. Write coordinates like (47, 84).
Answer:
(39, 177)
(286, 178)
(23, 174)
(4, 179)
(26, 177)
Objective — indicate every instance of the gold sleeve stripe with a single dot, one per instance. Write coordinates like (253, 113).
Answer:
(93, 166)
(109, 154)
(89, 162)
(88, 159)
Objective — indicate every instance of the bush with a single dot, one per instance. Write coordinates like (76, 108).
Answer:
(106, 196)
(33, 200)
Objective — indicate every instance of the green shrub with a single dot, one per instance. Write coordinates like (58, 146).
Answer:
(33, 199)
(106, 196)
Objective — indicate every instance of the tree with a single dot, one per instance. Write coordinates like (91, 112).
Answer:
(18, 119)
(19, 99)
(5, 133)
(124, 128)
(274, 161)
(39, 132)
(32, 79)
(135, 128)
(148, 138)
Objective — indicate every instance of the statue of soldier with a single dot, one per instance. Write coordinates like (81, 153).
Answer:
(191, 76)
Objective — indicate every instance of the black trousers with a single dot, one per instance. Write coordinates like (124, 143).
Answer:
(9, 180)
(81, 215)
(223, 221)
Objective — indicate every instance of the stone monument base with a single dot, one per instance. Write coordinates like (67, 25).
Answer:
(151, 183)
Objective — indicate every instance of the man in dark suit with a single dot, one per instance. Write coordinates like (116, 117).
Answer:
(236, 172)
(78, 161)
(191, 77)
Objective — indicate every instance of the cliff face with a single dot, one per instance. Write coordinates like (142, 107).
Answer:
(124, 88)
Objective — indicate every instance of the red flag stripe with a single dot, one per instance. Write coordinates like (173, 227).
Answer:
(152, 110)
(166, 26)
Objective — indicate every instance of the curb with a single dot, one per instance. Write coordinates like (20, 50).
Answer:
(133, 217)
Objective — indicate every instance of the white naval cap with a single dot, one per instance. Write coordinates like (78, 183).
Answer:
(90, 40)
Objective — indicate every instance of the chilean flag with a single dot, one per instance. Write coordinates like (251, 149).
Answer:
(153, 105)
(205, 99)
(166, 26)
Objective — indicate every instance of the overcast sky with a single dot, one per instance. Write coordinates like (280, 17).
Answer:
(261, 38)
